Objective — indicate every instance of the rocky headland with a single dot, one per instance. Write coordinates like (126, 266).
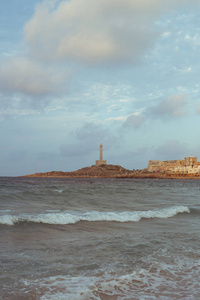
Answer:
(113, 171)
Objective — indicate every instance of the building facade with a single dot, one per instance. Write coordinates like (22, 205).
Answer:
(187, 165)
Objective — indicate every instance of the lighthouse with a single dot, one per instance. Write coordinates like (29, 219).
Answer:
(101, 161)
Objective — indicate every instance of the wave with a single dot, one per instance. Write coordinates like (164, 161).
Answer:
(146, 281)
(72, 217)
(58, 191)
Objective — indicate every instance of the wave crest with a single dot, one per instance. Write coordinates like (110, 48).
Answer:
(72, 217)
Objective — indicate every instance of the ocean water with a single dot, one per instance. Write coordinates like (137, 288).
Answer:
(99, 239)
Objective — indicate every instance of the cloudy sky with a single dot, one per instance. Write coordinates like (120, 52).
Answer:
(77, 73)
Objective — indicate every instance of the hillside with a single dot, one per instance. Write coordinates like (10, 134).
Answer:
(104, 171)
(113, 171)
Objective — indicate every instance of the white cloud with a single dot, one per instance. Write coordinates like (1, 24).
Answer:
(135, 120)
(166, 34)
(124, 100)
(118, 119)
(198, 110)
(87, 31)
(174, 106)
(21, 75)
(187, 37)
(92, 31)
(187, 70)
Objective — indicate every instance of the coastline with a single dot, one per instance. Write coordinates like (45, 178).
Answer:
(112, 171)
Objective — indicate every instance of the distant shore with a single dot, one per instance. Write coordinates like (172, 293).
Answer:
(113, 171)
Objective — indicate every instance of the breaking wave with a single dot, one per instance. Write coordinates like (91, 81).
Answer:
(72, 217)
(178, 279)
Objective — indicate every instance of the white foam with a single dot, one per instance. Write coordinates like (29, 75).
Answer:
(72, 217)
(174, 280)
(8, 219)
(3, 211)
(52, 210)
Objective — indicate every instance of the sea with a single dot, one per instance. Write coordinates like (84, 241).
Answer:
(107, 239)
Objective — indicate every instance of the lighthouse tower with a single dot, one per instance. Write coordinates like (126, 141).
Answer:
(101, 161)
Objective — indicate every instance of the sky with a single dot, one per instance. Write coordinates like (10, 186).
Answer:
(78, 73)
